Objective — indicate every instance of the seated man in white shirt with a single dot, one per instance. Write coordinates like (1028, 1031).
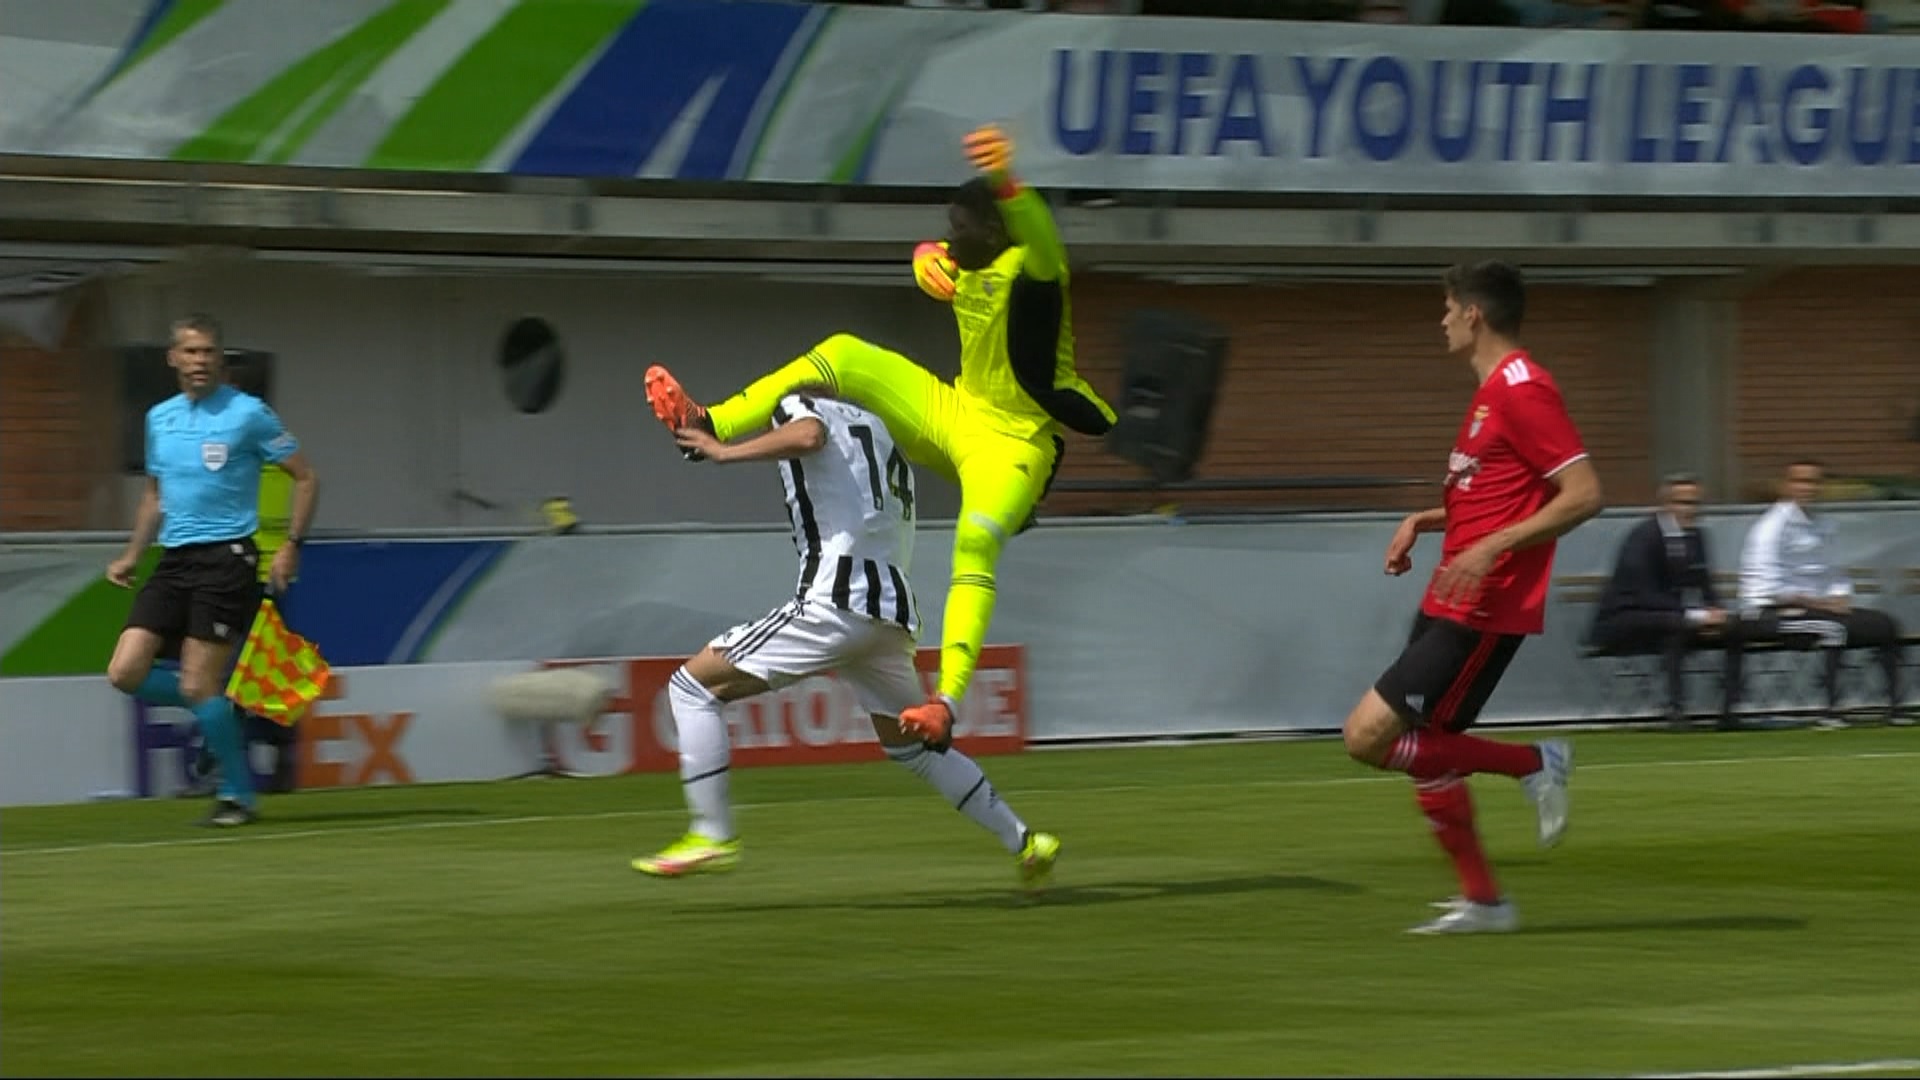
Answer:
(1790, 589)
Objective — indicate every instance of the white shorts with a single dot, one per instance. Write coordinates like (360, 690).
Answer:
(805, 637)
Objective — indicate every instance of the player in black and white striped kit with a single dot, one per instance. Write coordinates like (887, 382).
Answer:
(850, 498)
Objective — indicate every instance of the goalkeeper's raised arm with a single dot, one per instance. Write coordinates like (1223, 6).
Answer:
(1029, 222)
(1010, 299)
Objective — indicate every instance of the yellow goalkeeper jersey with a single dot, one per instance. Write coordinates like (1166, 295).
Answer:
(980, 305)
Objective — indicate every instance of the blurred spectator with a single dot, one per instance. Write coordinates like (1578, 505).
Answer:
(1416, 12)
(1790, 589)
(1480, 13)
(1795, 16)
(1301, 10)
(981, 5)
(1894, 16)
(1598, 14)
(1661, 598)
(1842, 17)
(1690, 15)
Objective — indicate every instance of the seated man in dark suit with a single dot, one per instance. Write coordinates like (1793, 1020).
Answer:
(1661, 597)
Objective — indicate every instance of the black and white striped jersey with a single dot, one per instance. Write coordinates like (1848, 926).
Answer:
(852, 505)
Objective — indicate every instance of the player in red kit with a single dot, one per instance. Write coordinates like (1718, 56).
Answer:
(1517, 479)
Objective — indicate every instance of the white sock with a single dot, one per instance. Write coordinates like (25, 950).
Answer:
(966, 787)
(703, 756)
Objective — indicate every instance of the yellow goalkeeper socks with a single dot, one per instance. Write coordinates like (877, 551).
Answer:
(752, 409)
(969, 609)
(976, 548)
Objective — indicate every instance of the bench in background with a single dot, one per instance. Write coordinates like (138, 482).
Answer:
(1634, 686)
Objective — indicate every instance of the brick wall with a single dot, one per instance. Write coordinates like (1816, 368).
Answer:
(1354, 380)
(1321, 380)
(59, 439)
(1829, 366)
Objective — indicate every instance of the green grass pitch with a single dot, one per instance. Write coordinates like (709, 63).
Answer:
(1722, 902)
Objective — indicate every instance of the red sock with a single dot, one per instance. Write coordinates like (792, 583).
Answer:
(1449, 809)
(1430, 754)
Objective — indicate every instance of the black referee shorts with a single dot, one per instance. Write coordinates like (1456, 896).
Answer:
(205, 591)
(1446, 673)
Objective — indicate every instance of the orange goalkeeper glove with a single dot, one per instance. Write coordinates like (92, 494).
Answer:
(990, 150)
(933, 271)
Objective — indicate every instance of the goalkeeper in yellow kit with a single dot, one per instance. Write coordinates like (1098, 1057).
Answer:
(994, 430)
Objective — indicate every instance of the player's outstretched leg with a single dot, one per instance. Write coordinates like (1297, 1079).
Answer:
(1000, 480)
(960, 779)
(710, 845)
(1542, 768)
(887, 682)
(900, 392)
(1413, 722)
(1415, 719)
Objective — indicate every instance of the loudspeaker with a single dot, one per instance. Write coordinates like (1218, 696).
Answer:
(1173, 367)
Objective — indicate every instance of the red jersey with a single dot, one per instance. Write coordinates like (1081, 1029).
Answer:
(1517, 434)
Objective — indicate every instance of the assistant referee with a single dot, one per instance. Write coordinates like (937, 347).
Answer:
(205, 449)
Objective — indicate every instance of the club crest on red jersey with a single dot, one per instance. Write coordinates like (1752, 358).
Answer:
(1460, 469)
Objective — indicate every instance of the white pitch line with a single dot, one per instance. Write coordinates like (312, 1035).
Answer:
(262, 837)
(1113, 789)
(1780, 1072)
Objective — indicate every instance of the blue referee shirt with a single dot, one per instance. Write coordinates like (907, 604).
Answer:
(206, 456)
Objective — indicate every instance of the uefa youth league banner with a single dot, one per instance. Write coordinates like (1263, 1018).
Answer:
(766, 90)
